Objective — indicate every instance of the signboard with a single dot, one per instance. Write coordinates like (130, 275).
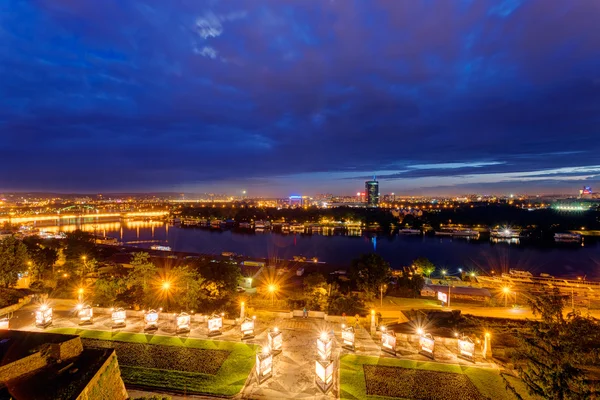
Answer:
(151, 320)
(247, 328)
(324, 346)
(118, 317)
(275, 339)
(264, 366)
(466, 348)
(86, 315)
(388, 342)
(183, 322)
(4, 323)
(324, 374)
(348, 338)
(443, 297)
(215, 323)
(43, 317)
(427, 344)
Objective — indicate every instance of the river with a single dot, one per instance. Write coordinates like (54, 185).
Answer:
(556, 259)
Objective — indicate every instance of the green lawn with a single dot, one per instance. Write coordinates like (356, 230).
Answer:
(353, 385)
(228, 381)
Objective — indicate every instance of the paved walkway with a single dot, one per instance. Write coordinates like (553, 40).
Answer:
(293, 369)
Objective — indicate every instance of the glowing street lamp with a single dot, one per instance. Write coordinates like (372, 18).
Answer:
(80, 292)
(506, 291)
(272, 288)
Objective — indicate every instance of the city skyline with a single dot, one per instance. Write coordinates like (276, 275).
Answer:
(281, 98)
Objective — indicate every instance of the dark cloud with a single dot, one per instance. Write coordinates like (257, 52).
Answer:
(294, 95)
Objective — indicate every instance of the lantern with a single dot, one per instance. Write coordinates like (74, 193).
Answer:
(247, 328)
(85, 314)
(182, 323)
(275, 339)
(118, 317)
(324, 374)
(43, 316)
(215, 323)
(466, 348)
(264, 365)
(348, 337)
(151, 320)
(427, 344)
(388, 341)
(324, 346)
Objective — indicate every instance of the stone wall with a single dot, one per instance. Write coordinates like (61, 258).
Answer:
(107, 383)
(23, 366)
(69, 349)
(10, 309)
(50, 351)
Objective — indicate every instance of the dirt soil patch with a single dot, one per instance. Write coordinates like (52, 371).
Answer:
(163, 357)
(418, 384)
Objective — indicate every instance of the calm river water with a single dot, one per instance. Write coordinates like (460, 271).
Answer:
(399, 250)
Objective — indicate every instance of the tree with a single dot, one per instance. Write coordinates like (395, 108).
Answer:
(424, 266)
(13, 260)
(43, 255)
(413, 284)
(370, 272)
(77, 244)
(106, 291)
(187, 290)
(140, 278)
(350, 305)
(220, 278)
(315, 291)
(554, 352)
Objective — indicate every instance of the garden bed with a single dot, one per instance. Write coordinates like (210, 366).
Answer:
(358, 381)
(418, 384)
(163, 357)
(139, 371)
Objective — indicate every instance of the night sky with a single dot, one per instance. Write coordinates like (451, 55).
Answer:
(285, 97)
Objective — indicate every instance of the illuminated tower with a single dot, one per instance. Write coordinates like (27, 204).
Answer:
(372, 193)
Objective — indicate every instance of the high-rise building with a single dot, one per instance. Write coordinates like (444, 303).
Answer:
(372, 193)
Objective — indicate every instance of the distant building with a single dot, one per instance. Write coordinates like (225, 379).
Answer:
(585, 193)
(372, 193)
(296, 201)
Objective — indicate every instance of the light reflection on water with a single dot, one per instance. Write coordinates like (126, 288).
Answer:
(340, 247)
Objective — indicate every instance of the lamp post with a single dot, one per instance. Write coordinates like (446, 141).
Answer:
(80, 295)
(272, 288)
(166, 286)
(506, 291)
(381, 287)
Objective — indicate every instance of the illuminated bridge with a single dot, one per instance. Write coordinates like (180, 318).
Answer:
(68, 213)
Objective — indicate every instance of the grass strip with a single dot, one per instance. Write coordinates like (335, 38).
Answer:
(228, 381)
(353, 383)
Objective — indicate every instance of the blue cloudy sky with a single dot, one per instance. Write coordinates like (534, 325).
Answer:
(299, 96)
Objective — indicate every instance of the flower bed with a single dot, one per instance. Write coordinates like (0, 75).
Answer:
(164, 357)
(418, 384)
